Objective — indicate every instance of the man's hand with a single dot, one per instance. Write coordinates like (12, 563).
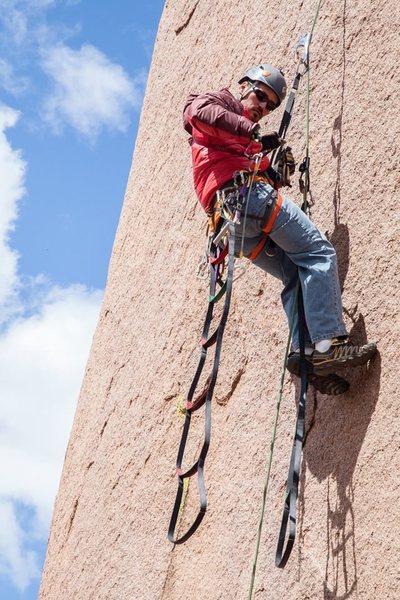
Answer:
(270, 141)
(286, 166)
(256, 134)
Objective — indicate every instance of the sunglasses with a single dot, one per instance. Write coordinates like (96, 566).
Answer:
(263, 98)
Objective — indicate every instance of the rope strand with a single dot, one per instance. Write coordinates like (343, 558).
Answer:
(272, 446)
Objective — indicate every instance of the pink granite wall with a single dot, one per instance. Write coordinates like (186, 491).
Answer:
(108, 537)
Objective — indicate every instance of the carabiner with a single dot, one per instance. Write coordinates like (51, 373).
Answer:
(302, 52)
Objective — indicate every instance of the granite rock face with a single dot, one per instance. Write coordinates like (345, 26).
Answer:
(108, 536)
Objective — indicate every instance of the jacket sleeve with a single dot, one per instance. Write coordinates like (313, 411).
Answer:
(209, 113)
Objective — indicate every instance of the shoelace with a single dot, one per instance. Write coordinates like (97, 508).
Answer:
(345, 350)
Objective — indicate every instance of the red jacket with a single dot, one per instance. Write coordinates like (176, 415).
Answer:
(220, 139)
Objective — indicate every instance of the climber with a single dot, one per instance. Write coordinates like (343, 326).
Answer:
(224, 136)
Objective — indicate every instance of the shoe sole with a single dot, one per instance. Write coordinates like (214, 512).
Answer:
(331, 385)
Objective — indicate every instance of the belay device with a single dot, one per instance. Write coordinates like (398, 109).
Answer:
(220, 287)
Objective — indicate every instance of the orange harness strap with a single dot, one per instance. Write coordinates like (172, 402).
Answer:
(267, 229)
(213, 217)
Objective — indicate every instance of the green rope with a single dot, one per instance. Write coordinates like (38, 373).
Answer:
(282, 381)
(315, 17)
(273, 438)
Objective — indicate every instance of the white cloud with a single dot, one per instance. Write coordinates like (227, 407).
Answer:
(12, 175)
(45, 335)
(42, 359)
(14, 21)
(15, 16)
(87, 90)
(16, 563)
(90, 92)
(45, 330)
(11, 82)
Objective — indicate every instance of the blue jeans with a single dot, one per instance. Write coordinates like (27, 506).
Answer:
(301, 251)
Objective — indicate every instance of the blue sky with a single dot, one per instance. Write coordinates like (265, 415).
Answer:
(72, 79)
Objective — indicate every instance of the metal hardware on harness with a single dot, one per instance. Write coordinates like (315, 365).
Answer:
(228, 202)
(222, 233)
(241, 179)
(233, 200)
(232, 203)
(304, 180)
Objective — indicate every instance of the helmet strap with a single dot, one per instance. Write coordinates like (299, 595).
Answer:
(248, 91)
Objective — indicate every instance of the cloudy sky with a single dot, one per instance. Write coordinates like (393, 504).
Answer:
(72, 79)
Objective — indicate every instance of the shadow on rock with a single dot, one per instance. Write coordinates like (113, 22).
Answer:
(336, 430)
(340, 238)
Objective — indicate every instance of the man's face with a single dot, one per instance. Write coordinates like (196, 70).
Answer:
(256, 100)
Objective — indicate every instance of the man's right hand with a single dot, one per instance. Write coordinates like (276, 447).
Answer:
(270, 141)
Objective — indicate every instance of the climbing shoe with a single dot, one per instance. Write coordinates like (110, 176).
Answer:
(341, 354)
(330, 385)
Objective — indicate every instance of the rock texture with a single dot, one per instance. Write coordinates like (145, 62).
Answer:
(108, 537)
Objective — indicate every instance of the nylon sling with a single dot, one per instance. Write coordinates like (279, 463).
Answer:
(285, 546)
(284, 550)
(289, 512)
(206, 395)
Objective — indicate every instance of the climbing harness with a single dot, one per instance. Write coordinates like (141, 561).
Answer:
(233, 200)
(230, 203)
